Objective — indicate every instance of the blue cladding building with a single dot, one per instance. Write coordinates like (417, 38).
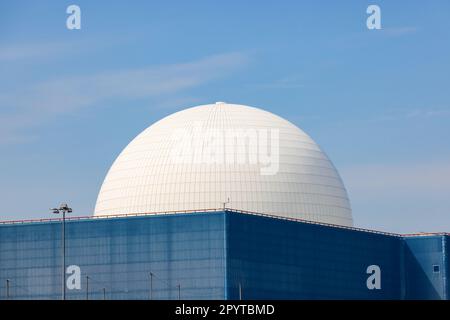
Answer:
(218, 255)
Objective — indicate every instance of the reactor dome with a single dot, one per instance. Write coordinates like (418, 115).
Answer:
(225, 155)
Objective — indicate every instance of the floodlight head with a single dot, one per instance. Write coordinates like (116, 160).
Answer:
(62, 208)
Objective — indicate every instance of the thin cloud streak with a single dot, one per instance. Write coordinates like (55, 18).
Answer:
(34, 105)
(404, 198)
(402, 114)
(18, 52)
(284, 83)
(428, 113)
(399, 31)
(42, 51)
(408, 179)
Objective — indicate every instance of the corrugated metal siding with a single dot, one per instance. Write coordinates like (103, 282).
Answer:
(277, 259)
(446, 279)
(211, 254)
(118, 255)
(422, 253)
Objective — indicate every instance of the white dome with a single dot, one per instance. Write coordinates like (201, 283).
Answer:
(205, 156)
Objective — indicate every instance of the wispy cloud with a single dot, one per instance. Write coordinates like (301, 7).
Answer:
(38, 50)
(36, 104)
(42, 50)
(365, 37)
(289, 82)
(399, 31)
(428, 113)
(407, 197)
(410, 179)
(402, 114)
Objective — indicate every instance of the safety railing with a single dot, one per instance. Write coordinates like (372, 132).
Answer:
(219, 210)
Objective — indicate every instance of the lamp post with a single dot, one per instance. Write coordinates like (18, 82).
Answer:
(151, 286)
(7, 289)
(63, 208)
(87, 287)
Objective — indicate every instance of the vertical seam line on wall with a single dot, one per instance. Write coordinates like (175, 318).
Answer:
(403, 277)
(225, 248)
(444, 267)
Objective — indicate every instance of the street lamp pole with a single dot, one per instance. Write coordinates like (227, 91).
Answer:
(151, 286)
(7, 289)
(87, 287)
(63, 271)
(63, 208)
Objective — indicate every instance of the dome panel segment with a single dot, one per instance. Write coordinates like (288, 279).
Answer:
(200, 157)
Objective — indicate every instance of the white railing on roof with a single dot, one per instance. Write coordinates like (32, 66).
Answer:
(218, 210)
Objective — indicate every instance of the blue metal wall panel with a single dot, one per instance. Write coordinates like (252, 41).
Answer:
(422, 254)
(118, 255)
(447, 267)
(279, 259)
(211, 255)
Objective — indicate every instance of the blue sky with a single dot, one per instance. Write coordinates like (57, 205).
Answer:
(377, 101)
